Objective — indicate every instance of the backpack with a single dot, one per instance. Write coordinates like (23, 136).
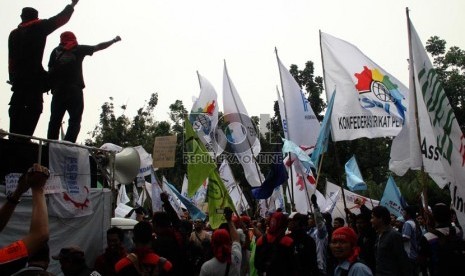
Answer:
(267, 254)
(450, 252)
(143, 269)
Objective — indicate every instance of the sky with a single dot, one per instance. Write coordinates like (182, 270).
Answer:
(165, 42)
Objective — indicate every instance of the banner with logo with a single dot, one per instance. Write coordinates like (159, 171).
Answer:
(449, 137)
(369, 102)
(392, 199)
(302, 126)
(407, 152)
(204, 116)
(71, 165)
(241, 132)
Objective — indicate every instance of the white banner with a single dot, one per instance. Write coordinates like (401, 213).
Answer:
(369, 101)
(332, 189)
(451, 141)
(407, 152)
(241, 133)
(302, 126)
(52, 186)
(71, 165)
(204, 116)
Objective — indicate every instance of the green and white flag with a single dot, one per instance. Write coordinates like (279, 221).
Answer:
(450, 139)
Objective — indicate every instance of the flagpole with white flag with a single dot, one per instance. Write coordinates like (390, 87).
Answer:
(302, 125)
(412, 89)
(240, 110)
(449, 138)
(284, 126)
(336, 158)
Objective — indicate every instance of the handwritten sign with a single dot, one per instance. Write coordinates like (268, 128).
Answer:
(52, 186)
(164, 151)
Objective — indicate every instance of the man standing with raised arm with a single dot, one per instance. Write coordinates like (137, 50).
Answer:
(27, 76)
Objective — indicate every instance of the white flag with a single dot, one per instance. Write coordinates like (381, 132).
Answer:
(302, 126)
(302, 191)
(369, 101)
(350, 198)
(449, 137)
(409, 153)
(227, 175)
(204, 116)
(234, 190)
(174, 200)
(72, 166)
(184, 187)
(282, 114)
(241, 132)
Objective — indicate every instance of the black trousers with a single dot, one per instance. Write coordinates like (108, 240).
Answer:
(66, 99)
(24, 118)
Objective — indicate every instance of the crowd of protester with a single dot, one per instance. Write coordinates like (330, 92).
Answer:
(421, 242)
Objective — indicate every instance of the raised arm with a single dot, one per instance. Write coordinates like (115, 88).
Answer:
(36, 178)
(107, 44)
(55, 22)
(232, 228)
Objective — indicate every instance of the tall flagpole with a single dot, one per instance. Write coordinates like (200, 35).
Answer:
(247, 136)
(282, 124)
(334, 144)
(289, 135)
(413, 83)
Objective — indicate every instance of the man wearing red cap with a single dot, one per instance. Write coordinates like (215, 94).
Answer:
(344, 248)
(28, 78)
(67, 81)
(274, 254)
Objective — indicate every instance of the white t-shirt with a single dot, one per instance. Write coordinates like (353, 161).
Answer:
(213, 267)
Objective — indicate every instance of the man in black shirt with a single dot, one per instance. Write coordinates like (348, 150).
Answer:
(27, 76)
(67, 81)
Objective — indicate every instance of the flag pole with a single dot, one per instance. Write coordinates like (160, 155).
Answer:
(288, 132)
(247, 136)
(334, 142)
(319, 168)
(287, 184)
(413, 83)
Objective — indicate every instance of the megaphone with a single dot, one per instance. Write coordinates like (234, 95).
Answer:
(126, 165)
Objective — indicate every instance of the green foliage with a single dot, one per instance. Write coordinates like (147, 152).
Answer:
(125, 132)
(313, 86)
(450, 66)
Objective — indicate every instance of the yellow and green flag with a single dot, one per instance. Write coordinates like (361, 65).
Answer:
(200, 164)
(218, 199)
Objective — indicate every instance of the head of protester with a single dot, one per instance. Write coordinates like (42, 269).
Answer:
(72, 261)
(345, 249)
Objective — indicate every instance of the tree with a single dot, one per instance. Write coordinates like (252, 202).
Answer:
(450, 66)
(313, 86)
(124, 132)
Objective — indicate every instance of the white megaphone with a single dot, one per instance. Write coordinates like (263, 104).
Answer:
(126, 165)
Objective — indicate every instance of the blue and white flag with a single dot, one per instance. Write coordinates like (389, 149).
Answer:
(392, 199)
(157, 205)
(323, 138)
(194, 212)
(354, 177)
(305, 160)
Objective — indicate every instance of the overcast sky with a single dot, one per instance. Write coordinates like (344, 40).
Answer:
(164, 43)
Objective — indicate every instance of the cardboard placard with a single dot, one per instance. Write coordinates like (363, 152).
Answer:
(164, 151)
